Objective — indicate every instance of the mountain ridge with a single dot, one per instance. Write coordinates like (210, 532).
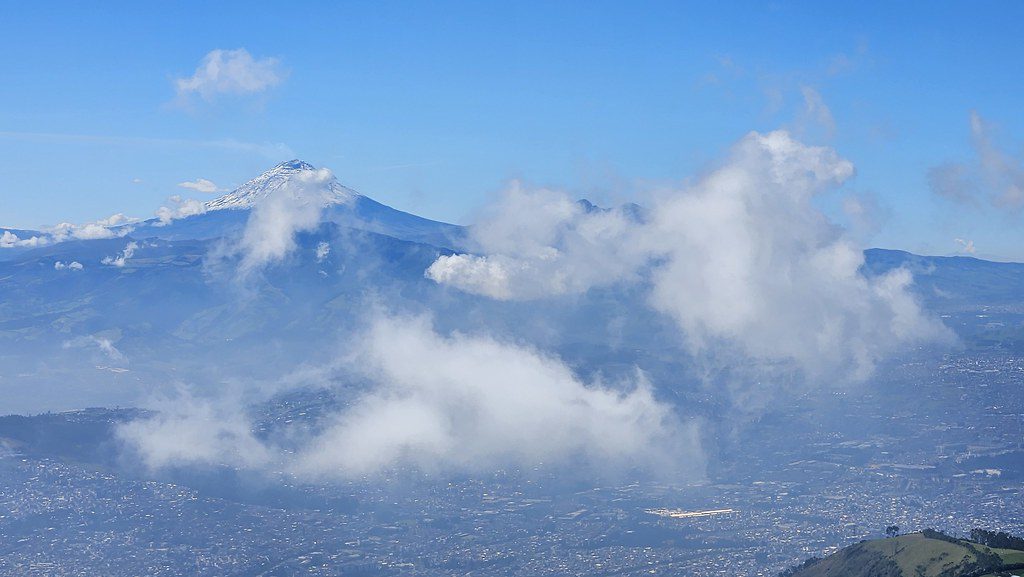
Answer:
(227, 214)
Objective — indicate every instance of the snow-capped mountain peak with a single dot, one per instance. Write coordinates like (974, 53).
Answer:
(247, 195)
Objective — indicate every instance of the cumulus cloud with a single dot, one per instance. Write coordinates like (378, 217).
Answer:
(740, 258)
(201, 185)
(73, 265)
(269, 234)
(231, 72)
(10, 240)
(121, 259)
(181, 208)
(441, 404)
(322, 250)
(994, 177)
(538, 243)
(93, 231)
(114, 226)
(474, 403)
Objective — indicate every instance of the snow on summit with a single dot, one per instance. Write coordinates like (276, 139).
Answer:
(247, 195)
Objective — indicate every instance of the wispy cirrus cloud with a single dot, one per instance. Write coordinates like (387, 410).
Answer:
(994, 177)
(271, 150)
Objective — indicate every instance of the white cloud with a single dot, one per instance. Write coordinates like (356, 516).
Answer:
(93, 231)
(322, 250)
(121, 259)
(470, 403)
(269, 234)
(201, 185)
(230, 72)
(541, 242)
(114, 226)
(10, 240)
(483, 275)
(186, 430)
(115, 220)
(441, 404)
(73, 265)
(741, 258)
(182, 208)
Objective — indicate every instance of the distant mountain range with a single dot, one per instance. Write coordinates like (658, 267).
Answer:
(148, 303)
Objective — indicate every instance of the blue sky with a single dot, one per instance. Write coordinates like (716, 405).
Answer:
(432, 107)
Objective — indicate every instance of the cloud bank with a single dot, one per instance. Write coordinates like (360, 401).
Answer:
(114, 226)
(741, 258)
(438, 403)
(470, 403)
(10, 240)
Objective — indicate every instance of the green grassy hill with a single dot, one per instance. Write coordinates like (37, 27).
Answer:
(927, 554)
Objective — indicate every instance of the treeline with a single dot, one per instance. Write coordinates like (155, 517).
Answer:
(933, 534)
(997, 539)
(810, 562)
(985, 560)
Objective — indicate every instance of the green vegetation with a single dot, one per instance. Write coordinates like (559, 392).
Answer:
(925, 554)
(997, 540)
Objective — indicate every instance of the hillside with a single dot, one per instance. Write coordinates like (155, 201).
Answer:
(927, 554)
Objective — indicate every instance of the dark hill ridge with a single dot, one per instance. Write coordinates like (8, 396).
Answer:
(925, 554)
(953, 281)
